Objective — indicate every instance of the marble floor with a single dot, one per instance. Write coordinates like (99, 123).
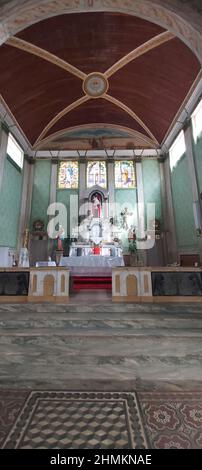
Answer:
(152, 351)
(113, 346)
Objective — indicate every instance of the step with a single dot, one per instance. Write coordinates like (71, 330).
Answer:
(84, 282)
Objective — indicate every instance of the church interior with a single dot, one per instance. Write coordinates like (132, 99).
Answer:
(101, 224)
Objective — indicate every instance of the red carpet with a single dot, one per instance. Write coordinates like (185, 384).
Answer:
(101, 282)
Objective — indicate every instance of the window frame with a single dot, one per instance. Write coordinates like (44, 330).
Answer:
(19, 163)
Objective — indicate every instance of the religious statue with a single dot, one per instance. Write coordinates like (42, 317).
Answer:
(96, 206)
(125, 214)
(24, 253)
(60, 237)
(132, 234)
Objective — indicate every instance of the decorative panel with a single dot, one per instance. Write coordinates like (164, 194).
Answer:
(67, 196)
(10, 204)
(14, 283)
(131, 285)
(183, 205)
(124, 174)
(48, 285)
(41, 191)
(174, 284)
(152, 185)
(198, 159)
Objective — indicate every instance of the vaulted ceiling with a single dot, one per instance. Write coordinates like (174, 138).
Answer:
(104, 72)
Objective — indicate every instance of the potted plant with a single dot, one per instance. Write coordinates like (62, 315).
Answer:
(133, 252)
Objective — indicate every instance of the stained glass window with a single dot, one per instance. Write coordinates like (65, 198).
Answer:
(68, 175)
(125, 174)
(96, 174)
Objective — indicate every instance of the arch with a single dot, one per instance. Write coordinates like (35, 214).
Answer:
(177, 18)
(131, 285)
(48, 285)
(117, 283)
(34, 285)
(62, 284)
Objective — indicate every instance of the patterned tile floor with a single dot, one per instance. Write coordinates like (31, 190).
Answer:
(66, 420)
(100, 420)
(141, 363)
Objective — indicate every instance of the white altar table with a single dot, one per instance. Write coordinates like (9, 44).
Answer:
(92, 261)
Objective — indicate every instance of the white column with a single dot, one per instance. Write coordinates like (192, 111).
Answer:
(111, 186)
(3, 149)
(140, 198)
(26, 201)
(169, 222)
(164, 210)
(82, 177)
(82, 183)
(53, 182)
(52, 197)
(194, 185)
(141, 206)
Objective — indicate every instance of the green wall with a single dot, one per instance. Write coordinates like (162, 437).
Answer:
(152, 186)
(198, 159)
(183, 206)
(63, 196)
(10, 204)
(41, 191)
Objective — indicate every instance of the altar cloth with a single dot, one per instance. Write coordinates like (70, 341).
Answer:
(92, 261)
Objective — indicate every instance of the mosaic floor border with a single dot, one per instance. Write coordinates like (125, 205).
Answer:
(66, 420)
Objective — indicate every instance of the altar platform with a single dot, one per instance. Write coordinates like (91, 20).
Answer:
(128, 284)
(34, 284)
(91, 271)
(157, 284)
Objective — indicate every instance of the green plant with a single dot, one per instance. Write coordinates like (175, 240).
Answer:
(132, 247)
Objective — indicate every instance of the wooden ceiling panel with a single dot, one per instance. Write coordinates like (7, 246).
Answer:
(152, 86)
(155, 84)
(96, 111)
(92, 41)
(34, 90)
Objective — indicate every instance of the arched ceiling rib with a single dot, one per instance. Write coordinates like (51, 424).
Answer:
(140, 79)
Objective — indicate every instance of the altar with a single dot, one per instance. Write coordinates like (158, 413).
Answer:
(79, 249)
(91, 265)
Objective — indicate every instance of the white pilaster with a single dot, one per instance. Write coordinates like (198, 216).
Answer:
(82, 183)
(169, 222)
(111, 187)
(140, 196)
(53, 182)
(26, 201)
(141, 206)
(164, 210)
(82, 177)
(194, 185)
(3, 149)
